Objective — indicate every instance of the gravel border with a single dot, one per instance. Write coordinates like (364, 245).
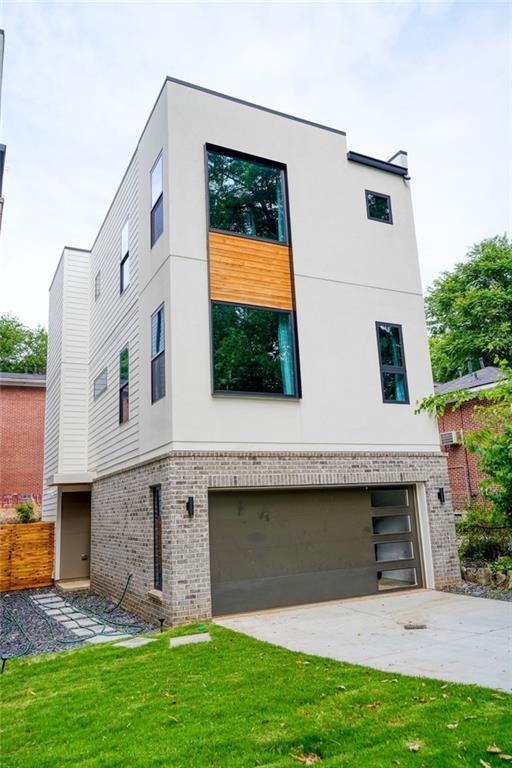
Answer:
(43, 632)
(477, 590)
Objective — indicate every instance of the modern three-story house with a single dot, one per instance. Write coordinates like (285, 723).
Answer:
(233, 371)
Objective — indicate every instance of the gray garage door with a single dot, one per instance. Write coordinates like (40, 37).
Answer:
(287, 547)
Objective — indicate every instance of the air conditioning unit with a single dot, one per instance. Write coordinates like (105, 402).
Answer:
(451, 438)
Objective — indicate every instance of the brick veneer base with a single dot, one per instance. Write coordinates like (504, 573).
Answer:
(122, 530)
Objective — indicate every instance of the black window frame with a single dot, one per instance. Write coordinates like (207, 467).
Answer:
(125, 256)
(124, 384)
(156, 500)
(104, 373)
(158, 202)
(398, 369)
(158, 355)
(296, 365)
(375, 218)
(260, 161)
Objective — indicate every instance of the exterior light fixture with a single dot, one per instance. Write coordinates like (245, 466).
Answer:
(190, 506)
(440, 495)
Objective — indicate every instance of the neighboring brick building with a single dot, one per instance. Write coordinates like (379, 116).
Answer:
(22, 401)
(463, 469)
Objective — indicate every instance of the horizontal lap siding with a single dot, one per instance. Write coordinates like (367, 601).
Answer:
(114, 325)
(249, 271)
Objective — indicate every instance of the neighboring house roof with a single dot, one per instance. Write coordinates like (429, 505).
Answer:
(482, 378)
(22, 379)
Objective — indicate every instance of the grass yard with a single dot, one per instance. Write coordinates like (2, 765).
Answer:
(238, 702)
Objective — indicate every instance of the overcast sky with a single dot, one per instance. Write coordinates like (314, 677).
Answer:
(80, 79)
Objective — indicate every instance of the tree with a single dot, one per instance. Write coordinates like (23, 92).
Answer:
(22, 349)
(492, 441)
(469, 310)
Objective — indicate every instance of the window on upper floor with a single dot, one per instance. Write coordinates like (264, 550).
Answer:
(157, 200)
(157, 355)
(124, 386)
(253, 350)
(246, 196)
(100, 384)
(124, 264)
(392, 363)
(97, 285)
(378, 207)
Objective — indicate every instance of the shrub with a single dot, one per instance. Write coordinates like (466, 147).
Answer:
(25, 512)
(485, 534)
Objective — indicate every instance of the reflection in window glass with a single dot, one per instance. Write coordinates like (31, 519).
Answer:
(124, 387)
(392, 364)
(390, 497)
(378, 207)
(157, 201)
(391, 524)
(246, 197)
(157, 355)
(253, 350)
(393, 550)
(396, 578)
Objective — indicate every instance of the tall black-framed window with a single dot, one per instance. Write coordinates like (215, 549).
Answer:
(254, 350)
(156, 494)
(378, 207)
(247, 195)
(124, 386)
(157, 355)
(392, 363)
(124, 263)
(157, 200)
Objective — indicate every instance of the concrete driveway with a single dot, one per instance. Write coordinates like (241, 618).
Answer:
(467, 639)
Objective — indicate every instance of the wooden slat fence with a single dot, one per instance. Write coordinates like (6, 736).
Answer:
(26, 555)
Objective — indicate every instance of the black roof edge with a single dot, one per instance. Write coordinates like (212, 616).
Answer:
(381, 165)
(176, 80)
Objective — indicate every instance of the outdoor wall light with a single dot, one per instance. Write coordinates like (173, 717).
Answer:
(190, 506)
(440, 495)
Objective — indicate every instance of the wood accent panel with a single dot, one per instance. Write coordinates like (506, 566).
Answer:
(26, 555)
(250, 271)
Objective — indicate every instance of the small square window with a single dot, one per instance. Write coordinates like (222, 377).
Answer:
(97, 285)
(100, 384)
(378, 207)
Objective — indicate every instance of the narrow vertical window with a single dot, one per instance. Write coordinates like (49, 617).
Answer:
(157, 201)
(157, 355)
(124, 387)
(124, 265)
(392, 363)
(157, 536)
(97, 285)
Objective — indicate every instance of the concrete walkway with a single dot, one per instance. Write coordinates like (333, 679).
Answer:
(467, 639)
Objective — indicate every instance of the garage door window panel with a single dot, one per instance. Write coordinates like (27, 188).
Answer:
(391, 524)
(389, 497)
(397, 578)
(390, 551)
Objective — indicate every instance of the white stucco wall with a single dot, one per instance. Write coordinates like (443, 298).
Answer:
(349, 273)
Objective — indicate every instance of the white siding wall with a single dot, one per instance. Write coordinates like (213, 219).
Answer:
(67, 373)
(53, 389)
(114, 326)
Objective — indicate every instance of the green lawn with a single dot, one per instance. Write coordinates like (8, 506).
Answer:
(238, 702)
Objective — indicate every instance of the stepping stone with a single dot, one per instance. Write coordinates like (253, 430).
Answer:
(53, 612)
(61, 617)
(70, 624)
(104, 638)
(88, 623)
(81, 632)
(175, 642)
(135, 642)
